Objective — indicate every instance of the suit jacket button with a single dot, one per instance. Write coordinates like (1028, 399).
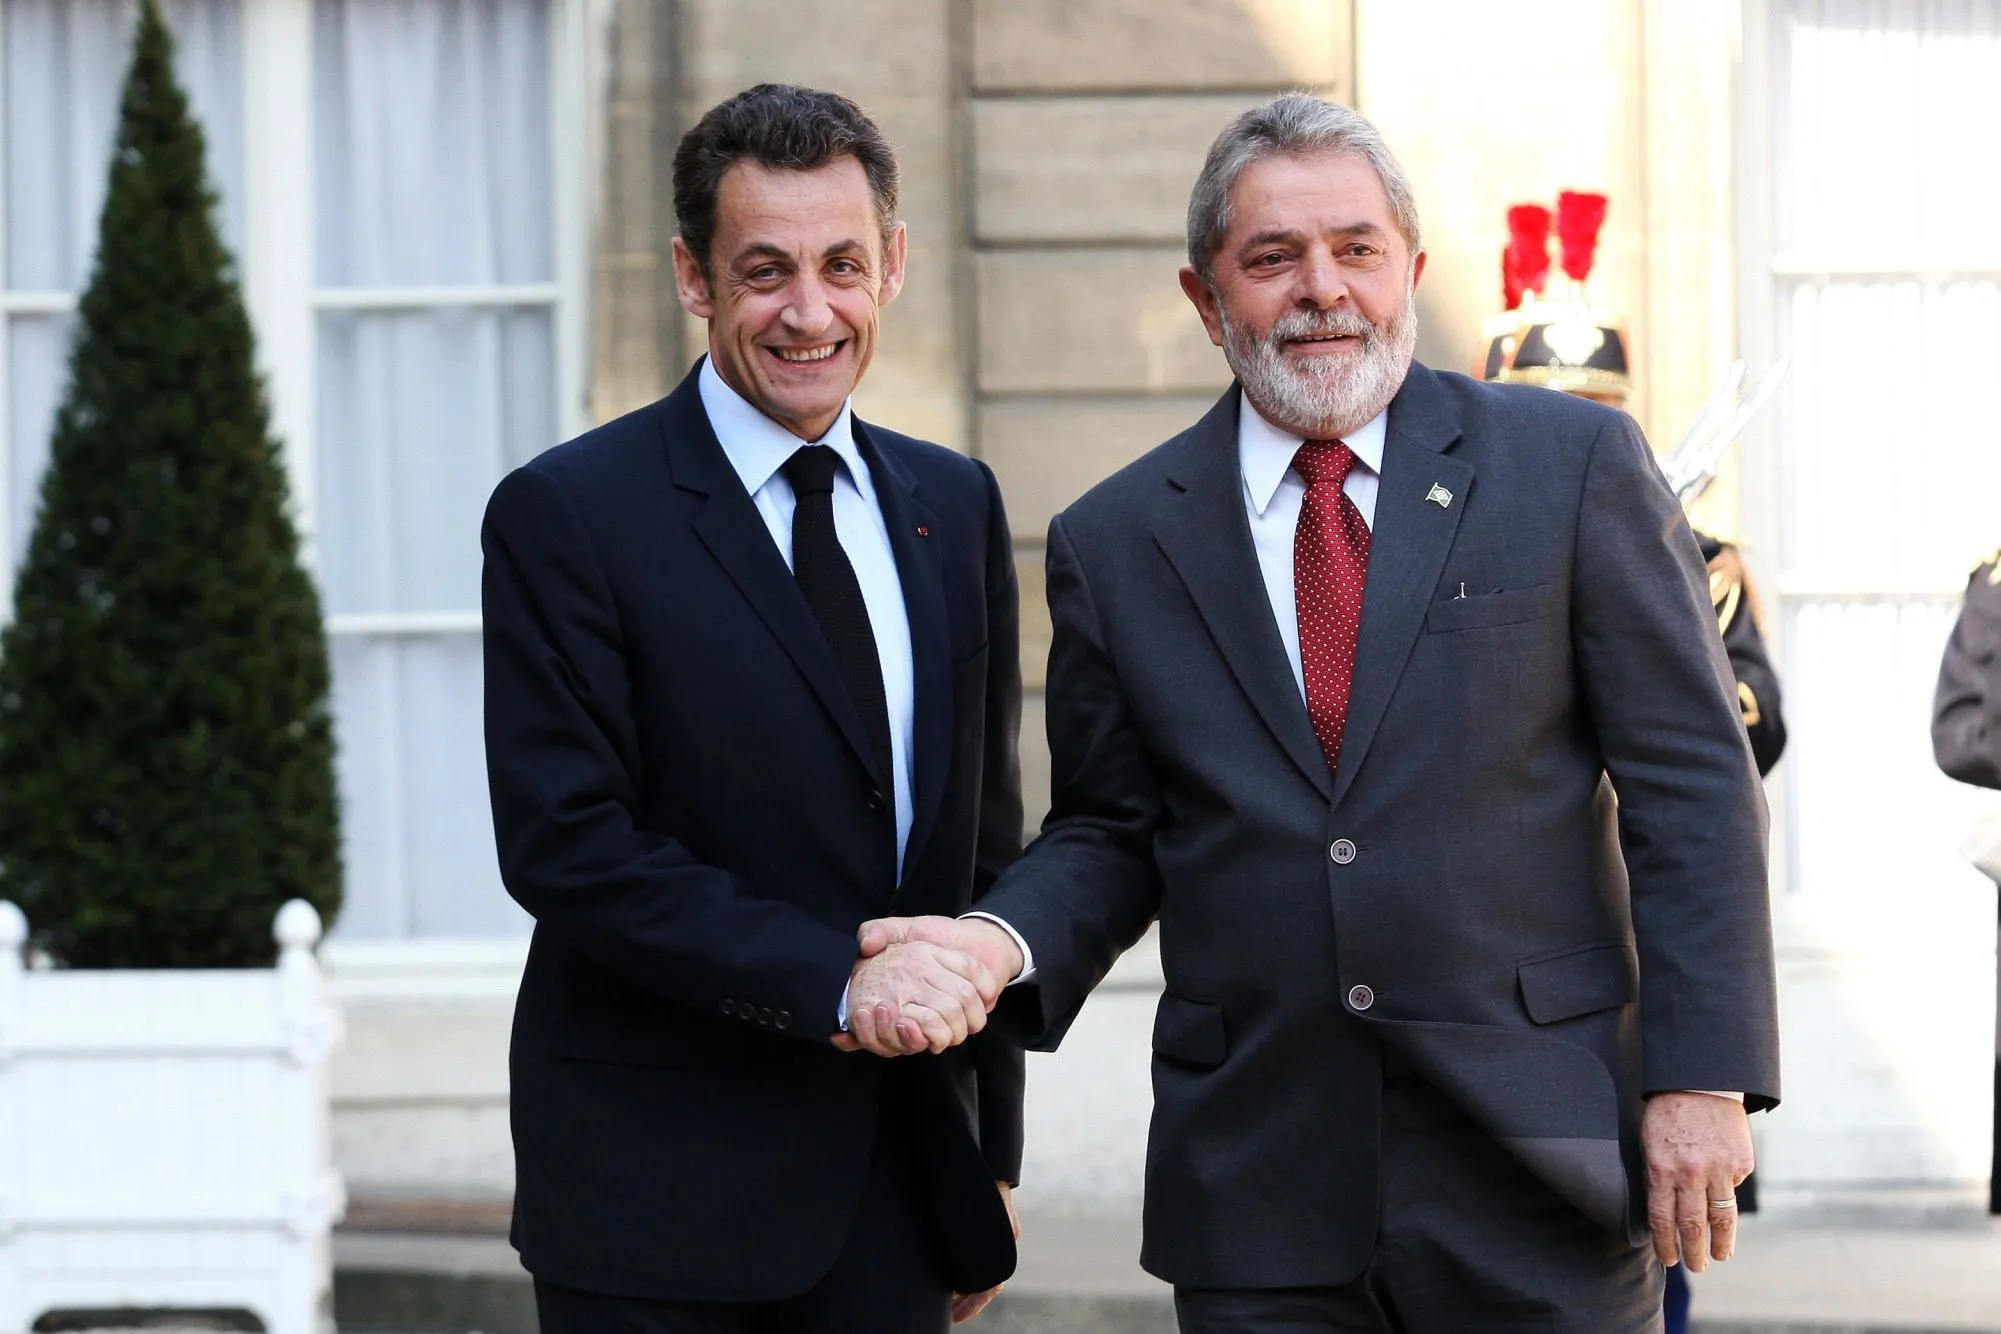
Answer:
(729, 1007)
(1342, 852)
(764, 1017)
(784, 1019)
(1361, 997)
(874, 800)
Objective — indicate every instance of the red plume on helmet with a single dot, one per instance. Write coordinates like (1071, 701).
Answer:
(1525, 263)
(1579, 215)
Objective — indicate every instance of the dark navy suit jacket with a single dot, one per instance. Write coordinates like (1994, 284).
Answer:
(684, 800)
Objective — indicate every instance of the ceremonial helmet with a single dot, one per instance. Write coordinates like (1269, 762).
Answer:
(1550, 334)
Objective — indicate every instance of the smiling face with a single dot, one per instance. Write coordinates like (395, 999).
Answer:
(801, 273)
(1312, 298)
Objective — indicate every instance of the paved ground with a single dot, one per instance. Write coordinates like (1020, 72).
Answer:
(1081, 1276)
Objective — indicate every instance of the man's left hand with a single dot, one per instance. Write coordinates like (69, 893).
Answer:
(966, 1306)
(1698, 1148)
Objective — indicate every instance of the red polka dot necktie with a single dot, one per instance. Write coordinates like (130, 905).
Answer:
(1330, 568)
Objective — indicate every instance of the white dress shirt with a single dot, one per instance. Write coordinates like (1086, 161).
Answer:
(757, 447)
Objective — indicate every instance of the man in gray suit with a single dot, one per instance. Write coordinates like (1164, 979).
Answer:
(1398, 700)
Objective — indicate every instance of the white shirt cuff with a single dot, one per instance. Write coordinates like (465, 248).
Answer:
(1027, 972)
(1718, 1093)
(842, 1013)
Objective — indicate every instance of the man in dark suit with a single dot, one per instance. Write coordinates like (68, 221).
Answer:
(1398, 700)
(1966, 736)
(752, 678)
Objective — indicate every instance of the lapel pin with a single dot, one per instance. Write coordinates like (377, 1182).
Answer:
(922, 531)
(1439, 496)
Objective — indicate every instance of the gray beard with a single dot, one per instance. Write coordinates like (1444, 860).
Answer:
(1335, 397)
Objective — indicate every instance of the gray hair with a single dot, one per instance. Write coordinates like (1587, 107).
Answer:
(1292, 125)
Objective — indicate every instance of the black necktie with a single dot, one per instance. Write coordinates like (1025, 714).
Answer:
(834, 593)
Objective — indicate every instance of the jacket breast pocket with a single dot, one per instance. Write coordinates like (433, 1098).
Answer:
(1190, 1031)
(1480, 611)
(1579, 981)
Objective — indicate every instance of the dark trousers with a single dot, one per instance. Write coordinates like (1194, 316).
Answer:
(888, 1279)
(1470, 1242)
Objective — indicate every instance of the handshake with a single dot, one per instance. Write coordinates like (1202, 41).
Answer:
(925, 983)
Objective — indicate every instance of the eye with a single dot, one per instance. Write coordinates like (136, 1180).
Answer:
(845, 268)
(1268, 259)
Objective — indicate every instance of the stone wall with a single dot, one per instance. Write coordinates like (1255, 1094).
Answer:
(1088, 121)
(1048, 147)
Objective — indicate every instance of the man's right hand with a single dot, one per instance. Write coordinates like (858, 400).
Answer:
(890, 1029)
(982, 939)
(914, 995)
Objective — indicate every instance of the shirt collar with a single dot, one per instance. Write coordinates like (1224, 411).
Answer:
(1265, 451)
(757, 447)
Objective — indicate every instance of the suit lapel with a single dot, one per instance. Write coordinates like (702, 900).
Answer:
(914, 538)
(1408, 544)
(1207, 537)
(730, 526)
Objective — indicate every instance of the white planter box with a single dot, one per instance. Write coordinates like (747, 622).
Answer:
(163, 1136)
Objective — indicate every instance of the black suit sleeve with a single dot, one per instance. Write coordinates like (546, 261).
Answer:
(1087, 887)
(997, 1059)
(563, 772)
(1691, 811)
(1966, 712)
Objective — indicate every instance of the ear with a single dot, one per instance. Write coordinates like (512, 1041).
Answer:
(689, 283)
(895, 255)
(1205, 302)
(1416, 269)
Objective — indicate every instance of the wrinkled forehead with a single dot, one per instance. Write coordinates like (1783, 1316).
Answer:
(1314, 194)
(800, 214)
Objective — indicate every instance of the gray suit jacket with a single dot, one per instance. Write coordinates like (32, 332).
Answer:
(1466, 891)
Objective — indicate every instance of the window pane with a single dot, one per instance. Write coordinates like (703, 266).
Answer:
(37, 365)
(1899, 87)
(1890, 472)
(433, 142)
(417, 832)
(421, 413)
(65, 63)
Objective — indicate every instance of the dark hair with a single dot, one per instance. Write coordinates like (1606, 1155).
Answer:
(782, 126)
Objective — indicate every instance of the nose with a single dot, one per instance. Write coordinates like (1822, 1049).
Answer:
(1321, 283)
(808, 312)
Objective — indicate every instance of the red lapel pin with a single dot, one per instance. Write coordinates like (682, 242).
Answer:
(922, 531)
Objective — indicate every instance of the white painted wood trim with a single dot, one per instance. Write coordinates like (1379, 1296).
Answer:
(280, 249)
(1805, 588)
(405, 623)
(569, 125)
(433, 298)
(35, 303)
(6, 378)
(1925, 268)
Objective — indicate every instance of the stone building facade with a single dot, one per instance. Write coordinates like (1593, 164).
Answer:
(1047, 147)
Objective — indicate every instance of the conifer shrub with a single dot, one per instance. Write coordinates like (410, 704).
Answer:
(166, 753)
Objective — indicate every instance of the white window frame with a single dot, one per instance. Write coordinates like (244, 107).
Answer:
(280, 254)
(279, 262)
(1763, 274)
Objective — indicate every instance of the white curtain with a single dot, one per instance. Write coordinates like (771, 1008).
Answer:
(64, 65)
(433, 170)
(1891, 455)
